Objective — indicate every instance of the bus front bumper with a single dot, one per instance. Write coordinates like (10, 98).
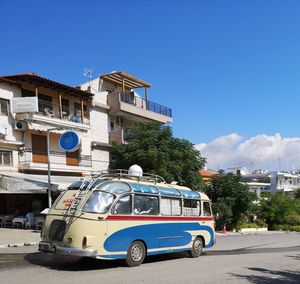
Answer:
(48, 247)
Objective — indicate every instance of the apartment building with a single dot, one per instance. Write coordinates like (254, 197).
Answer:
(207, 175)
(284, 182)
(100, 111)
(272, 182)
(122, 93)
(23, 138)
(59, 106)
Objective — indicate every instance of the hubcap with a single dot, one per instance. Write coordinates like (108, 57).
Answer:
(136, 252)
(198, 246)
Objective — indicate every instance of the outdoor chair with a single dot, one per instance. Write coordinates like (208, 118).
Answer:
(48, 112)
(39, 222)
(30, 223)
(7, 221)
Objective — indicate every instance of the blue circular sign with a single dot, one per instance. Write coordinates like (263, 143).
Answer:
(69, 141)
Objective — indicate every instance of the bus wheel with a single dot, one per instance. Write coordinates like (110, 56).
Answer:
(196, 248)
(136, 254)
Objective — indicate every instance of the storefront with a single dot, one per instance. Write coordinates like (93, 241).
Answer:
(23, 193)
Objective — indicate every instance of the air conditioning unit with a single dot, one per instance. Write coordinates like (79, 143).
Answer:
(20, 125)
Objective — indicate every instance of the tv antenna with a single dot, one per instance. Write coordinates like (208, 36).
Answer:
(87, 73)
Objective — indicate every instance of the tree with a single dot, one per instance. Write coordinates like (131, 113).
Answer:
(231, 199)
(278, 209)
(157, 151)
(297, 193)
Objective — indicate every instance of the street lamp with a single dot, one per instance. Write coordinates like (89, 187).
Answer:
(49, 165)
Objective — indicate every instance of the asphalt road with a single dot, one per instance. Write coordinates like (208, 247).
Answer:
(271, 258)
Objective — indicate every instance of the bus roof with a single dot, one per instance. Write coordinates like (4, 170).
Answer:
(112, 185)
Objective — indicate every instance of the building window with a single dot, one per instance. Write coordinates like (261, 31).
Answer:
(27, 93)
(112, 126)
(5, 158)
(4, 107)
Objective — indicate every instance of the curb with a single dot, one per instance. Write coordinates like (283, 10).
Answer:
(19, 245)
(218, 234)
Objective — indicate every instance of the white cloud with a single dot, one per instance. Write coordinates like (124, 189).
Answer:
(263, 151)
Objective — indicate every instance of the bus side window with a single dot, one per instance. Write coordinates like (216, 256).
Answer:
(191, 207)
(145, 205)
(123, 205)
(170, 206)
(206, 209)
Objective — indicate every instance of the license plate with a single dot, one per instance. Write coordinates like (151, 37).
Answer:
(44, 247)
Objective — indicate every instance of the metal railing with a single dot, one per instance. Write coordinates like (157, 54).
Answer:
(50, 109)
(120, 173)
(56, 158)
(130, 98)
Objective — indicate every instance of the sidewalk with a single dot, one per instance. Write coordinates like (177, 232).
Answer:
(18, 237)
(229, 233)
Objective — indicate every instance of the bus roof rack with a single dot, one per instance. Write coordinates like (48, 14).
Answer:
(120, 173)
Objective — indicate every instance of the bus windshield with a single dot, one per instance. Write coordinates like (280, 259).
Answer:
(78, 184)
(99, 202)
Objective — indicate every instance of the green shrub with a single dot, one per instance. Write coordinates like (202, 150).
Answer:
(242, 225)
(286, 227)
(293, 220)
(295, 228)
(261, 224)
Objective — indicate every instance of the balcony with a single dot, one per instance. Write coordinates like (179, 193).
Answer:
(60, 161)
(120, 136)
(51, 113)
(127, 104)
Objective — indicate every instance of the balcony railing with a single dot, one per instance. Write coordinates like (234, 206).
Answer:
(50, 109)
(130, 98)
(56, 158)
(120, 136)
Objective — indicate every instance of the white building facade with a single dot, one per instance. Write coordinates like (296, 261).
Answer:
(118, 91)
(284, 182)
(101, 111)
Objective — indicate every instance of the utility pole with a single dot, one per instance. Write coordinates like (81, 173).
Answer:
(49, 164)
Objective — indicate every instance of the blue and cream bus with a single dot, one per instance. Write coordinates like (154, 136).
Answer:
(123, 216)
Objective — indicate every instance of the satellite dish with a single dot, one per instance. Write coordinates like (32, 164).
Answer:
(135, 170)
(5, 129)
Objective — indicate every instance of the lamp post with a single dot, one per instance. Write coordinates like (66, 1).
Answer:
(49, 164)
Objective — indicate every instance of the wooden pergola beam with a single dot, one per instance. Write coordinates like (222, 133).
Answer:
(130, 80)
(119, 82)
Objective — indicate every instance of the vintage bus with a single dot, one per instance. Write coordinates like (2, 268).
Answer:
(123, 216)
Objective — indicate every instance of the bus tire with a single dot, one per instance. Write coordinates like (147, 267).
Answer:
(136, 254)
(196, 248)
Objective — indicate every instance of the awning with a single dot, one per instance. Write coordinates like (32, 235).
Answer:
(13, 182)
(43, 127)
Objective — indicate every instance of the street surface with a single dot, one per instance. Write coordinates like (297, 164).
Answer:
(267, 258)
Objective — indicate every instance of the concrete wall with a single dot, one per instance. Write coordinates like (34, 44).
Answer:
(9, 141)
(7, 92)
(100, 159)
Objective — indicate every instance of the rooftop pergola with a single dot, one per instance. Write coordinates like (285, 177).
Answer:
(126, 81)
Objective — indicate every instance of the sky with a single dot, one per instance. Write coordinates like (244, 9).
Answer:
(228, 69)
